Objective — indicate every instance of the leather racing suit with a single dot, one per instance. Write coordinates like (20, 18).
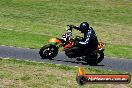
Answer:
(89, 42)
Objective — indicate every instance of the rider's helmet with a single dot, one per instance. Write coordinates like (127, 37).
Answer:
(84, 26)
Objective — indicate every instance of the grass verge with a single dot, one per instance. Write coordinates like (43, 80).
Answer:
(19, 73)
(118, 50)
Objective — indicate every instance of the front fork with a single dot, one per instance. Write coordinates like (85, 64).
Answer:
(60, 46)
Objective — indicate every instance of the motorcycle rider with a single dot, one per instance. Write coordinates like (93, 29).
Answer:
(89, 42)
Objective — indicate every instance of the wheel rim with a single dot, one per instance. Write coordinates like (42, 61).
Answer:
(48, 51)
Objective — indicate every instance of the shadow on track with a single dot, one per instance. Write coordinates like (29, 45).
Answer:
(74, 62)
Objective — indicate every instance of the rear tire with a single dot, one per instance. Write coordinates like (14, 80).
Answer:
(94, 60)
(101, 57)
(48, 51)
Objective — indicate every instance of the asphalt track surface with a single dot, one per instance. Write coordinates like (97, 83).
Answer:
(33, 55)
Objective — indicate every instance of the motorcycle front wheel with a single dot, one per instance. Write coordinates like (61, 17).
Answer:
(48, 51)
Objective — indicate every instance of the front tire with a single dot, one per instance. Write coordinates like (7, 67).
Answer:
(48, 51)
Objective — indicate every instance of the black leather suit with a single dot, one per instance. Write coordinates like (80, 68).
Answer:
(90, 41)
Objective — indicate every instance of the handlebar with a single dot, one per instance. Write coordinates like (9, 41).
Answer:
(68, 34)
(71, 26)
(69, 30)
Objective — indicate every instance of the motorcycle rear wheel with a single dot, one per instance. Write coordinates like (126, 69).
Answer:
(48, 51)
(95, 60)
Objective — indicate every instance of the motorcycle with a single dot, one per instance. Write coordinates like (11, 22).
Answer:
(49, 51)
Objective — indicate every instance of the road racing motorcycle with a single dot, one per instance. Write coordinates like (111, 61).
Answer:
(50, 51)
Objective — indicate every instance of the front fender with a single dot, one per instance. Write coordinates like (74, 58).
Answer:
(55, 40)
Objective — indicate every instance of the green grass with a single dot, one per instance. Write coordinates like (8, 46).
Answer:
(23, 39)
(31, 23)
(123, 51)
(25, 74)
